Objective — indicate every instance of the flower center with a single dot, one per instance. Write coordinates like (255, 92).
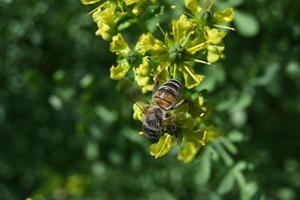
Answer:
(176, 53)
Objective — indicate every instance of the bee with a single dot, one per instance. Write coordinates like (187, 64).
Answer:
(166, 96)
(156, 121)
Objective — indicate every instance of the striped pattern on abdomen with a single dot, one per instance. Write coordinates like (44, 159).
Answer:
(167, 94)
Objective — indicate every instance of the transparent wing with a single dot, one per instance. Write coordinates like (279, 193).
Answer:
(134, 92)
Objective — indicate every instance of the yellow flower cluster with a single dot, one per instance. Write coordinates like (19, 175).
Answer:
(194, 40)
(108, 14)
(177, 55)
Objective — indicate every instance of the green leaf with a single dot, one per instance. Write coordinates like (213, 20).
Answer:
(203, 169)
(236, 136)
(223, 153)
(243, 101)
(162, 147)
(228, 144)
(246, 24)
(227, 183)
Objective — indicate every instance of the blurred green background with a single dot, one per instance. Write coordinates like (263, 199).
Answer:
(66, 132)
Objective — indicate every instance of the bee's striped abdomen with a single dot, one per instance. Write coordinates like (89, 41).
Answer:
(167, 94)
(150, 132)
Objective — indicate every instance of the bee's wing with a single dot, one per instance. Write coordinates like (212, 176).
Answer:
(133, 91)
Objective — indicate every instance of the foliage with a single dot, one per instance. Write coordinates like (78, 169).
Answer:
(66, 133)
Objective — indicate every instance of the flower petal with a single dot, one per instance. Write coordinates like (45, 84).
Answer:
(226, 15)
(213, 35)
(191, 79)
(129, 2)
(187, 152)
(142, 76)
(87, 2)
(105, 31)
(145, 43)
(181, 28)
(118, 72)
(104, 16)
(163, 146)
(193, 6)
(214, 53)
(137, 113)
(119, 45)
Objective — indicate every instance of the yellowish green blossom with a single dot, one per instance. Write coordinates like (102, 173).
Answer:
(181, 28)
(187, 152)
(177, 54)
(104, 17)
(118, 72)
(163, 146)
(87, 2)
(129, 2)
(214, 53)
(145, 43)
(226, 15)
(191, 79)
(213, 35)
(142, 76)
(119, 46)
(137, 113)
(133, 58)
(109, 13)
(193, 6)
(214, 49)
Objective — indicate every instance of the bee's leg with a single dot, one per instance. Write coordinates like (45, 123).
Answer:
(178, 104)
(156, 83)
(172, 130)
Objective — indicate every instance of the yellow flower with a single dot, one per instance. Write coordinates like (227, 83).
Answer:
(145, 43)
(214, 53)
(191, 79)
(163, 146)
(213, 35)
(129, 2)
(87, 2)
(118, 72)
(187, 152)
(137, 113)
(193, 6)
(181, 28)
(142, 76)
(226, 15)
(119, 45)
(104, 16)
